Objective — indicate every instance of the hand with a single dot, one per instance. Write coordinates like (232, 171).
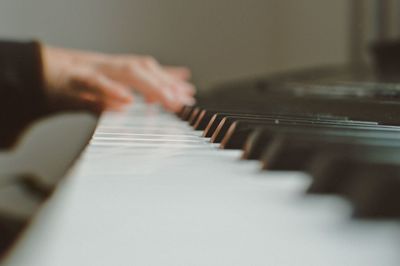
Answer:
(106, 80)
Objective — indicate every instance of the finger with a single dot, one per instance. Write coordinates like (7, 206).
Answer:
(115, 106)
(182, 94)
(173, 100)
(188, 100)
(102, 86)
(179, 88)
(153, 82)
(184, 87)
(106, 103)
(182, 73)
(170, 97)
(154, 88)
(111, 90)
(150, 100)
(181, 85)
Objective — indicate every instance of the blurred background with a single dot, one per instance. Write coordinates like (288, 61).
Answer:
(218, 39)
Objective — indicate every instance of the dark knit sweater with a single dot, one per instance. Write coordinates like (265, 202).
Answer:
(21, 88)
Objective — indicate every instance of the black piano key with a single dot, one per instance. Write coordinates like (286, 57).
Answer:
(227, 121)
(187, 113)
(212, 125)
(194, 115)
(296, 150)
(240, 130)
(374, 191)
(202, 120)
(256, 143)
(216, 118)
(205, 116)
(236, 136)
(332, 170)
(280, 155)
(263, 136)
(329, 173)
(222, 128)
(372, 185)
(183, 112)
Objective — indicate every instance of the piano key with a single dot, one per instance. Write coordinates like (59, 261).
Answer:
(374, 191)
(292, 150)
(276, 119)
(236, 136)
(256, 143)
(227, 121)
(239, 131)
(205, 116)
(181, 112)
(194, 115)
(371, 186)
(207, 113)
(184, 111)
(212, 125)
(332, 170)
(187, 112)
(215, 117)
(202, 120)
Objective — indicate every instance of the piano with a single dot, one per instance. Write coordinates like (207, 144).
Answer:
(282, 173)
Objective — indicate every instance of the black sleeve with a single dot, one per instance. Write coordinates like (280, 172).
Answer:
(21, 88)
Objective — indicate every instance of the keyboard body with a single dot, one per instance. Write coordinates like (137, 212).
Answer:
(150, 190)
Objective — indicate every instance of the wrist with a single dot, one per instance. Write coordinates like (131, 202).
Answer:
(49, 70)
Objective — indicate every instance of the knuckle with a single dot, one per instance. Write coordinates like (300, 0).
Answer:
(96, 79)
(148, 61)
(131, 68)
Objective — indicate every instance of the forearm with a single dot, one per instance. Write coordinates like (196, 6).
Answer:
(22, 96)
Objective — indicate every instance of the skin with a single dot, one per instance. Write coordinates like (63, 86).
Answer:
(107, 81)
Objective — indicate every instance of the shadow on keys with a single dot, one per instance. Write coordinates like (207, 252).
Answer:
(31, 169)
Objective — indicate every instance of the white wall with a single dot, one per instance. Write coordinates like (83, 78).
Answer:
(218, 39)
